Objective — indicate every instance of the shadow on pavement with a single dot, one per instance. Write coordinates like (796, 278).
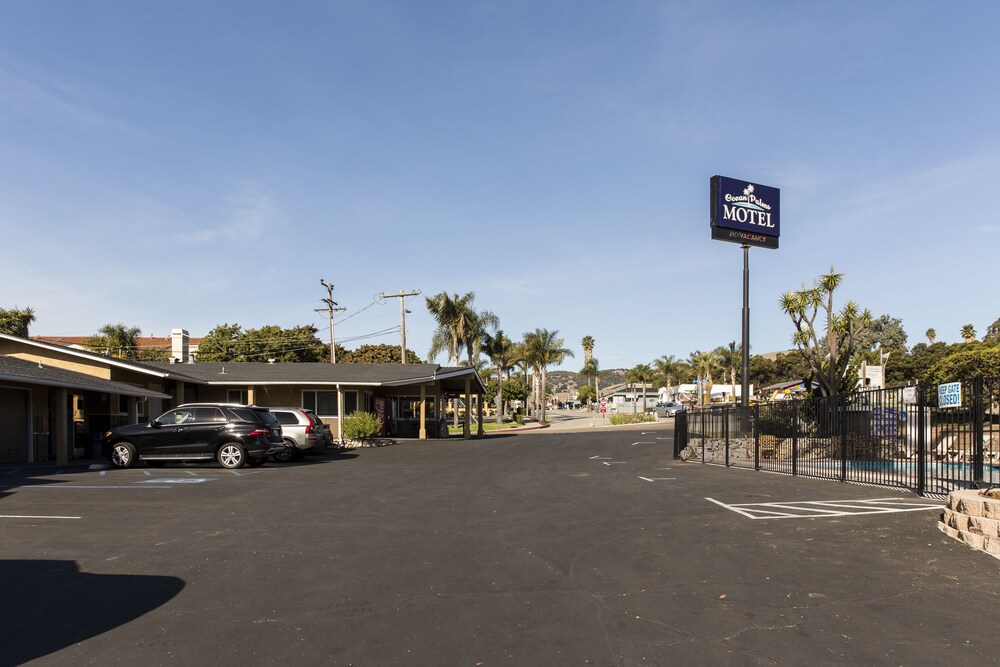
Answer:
(50, 604)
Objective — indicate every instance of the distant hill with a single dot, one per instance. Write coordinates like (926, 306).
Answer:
(569, 378)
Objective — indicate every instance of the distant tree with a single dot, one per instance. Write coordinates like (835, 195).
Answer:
(220, 344)
(885, 334)
(968, 333)
(376, 354)
(588, 348)
(15, 321)
(586, 394)
(992, 334)
(229, 342)
(115, 340)
(828, 356)
(272, 342)
(931, 335)
(966, 363)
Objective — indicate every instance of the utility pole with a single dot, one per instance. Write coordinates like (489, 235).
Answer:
(331, 308)
(402, 316)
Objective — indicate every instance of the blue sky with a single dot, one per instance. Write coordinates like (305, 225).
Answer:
(190, 164)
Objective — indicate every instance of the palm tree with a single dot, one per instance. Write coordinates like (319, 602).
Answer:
(588, 348)
(501, 351)
(704, 363)
(116, 340)
(478, 325)
(630, 381)
(968, 333)
(449, 312)
(731, 358)
(666, 368)
(931, 335)
(542, 349)
(643, 373)
(589, 371)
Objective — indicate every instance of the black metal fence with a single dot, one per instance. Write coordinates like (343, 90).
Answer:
(890, 437)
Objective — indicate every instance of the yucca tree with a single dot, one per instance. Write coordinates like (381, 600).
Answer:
(542, 349)
(15, 321)
(828, 357)
(502, 352)
(644, 374)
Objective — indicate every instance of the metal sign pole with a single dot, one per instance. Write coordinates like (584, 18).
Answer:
(745, 384)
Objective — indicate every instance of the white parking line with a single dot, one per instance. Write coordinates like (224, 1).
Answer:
(643, 442)
(806, 509)
(656, 479)
(28, 516)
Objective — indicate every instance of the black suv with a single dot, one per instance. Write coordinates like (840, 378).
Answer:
(233, 435)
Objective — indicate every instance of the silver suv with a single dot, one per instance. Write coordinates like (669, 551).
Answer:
(302, 431)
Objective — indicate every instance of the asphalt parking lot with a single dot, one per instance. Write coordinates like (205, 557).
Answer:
(530, 549)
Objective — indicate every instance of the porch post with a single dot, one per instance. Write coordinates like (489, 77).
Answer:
(479, 415)
(467, 422)
(61, 430)
(423, 412)
(250, 395)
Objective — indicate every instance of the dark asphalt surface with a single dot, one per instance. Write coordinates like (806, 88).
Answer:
(513, 550)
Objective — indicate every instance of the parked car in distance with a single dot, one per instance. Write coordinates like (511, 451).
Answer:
(234, 435)
(302, 431)
(667, 409)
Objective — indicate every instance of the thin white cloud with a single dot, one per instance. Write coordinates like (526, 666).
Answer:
(38, 94)
(248, 213)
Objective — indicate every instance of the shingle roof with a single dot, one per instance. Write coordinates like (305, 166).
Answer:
(301, 373)
(13, 369)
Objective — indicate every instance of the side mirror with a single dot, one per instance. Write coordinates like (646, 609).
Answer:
(154, 424)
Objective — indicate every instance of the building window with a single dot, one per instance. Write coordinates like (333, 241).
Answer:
(237, 396)
(324, 403)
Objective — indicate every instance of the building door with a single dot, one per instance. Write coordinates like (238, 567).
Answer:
(15, 425)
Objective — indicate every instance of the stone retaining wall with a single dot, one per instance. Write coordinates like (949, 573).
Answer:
(973, 519)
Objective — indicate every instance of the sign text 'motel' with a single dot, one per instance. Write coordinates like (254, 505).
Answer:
(745, 213)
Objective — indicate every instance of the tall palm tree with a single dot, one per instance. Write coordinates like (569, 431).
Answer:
(643, 373)
(590, 372)
(449, 313)
(968, 333)
(588, 348)
(931, 335)
(543, 348)
(730, 357)
(478, 325)
(630, 381)
(501, 351)
(667, 368)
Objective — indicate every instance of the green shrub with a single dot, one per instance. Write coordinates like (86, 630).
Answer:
(361, 425)
(618, 420)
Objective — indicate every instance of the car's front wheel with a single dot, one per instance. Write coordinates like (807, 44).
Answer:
(123, 455)
(232, 455)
